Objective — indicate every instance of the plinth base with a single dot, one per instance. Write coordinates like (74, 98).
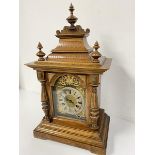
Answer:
(94, 141)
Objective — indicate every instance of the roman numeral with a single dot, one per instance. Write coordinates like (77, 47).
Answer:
(67, 91)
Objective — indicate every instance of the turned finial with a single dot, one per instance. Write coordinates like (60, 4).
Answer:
(40, 53)
(96, 46)
(71, 8)
(95, 54)
(72, 19)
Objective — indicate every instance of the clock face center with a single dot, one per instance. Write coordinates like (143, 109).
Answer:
(70, 100)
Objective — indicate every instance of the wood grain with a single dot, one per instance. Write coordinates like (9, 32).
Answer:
(86, 138)
(73, 57)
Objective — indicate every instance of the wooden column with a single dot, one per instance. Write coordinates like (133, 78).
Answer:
(94, 109)
(44, 95)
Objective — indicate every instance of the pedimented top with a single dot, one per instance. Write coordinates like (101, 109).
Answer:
(73, 45)
(73, 52)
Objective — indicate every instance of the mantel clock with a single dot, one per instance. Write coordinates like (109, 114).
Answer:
(70, 76)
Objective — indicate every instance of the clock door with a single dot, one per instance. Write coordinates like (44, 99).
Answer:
(69, 97)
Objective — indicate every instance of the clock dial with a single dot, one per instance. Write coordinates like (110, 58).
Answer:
(69, 100)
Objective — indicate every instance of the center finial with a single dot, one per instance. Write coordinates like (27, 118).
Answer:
(72, 19)
(71, 8)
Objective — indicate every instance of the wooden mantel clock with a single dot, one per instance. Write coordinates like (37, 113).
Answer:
(70, 76)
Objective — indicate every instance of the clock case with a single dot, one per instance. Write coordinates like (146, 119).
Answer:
(73, 57)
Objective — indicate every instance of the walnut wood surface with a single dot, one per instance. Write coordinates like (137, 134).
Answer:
(70, 67)
(93, 140)
(73, 57)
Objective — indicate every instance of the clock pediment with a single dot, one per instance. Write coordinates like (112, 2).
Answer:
(72, 51)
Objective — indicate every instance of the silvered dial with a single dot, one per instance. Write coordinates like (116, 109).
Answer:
(70, 101)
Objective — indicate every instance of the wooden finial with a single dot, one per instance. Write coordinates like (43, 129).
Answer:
(40, 53)
(72, 19)
(71, 8)
(96, 45)
(39, 46)
(95, 54)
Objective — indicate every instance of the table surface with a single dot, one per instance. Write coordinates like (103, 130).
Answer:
(120, 141)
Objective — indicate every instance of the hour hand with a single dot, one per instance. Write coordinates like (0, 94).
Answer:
(69, 100)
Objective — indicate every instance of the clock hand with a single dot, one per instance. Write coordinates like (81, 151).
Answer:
(69, 100)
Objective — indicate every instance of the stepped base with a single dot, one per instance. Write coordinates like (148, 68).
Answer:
(94, 141)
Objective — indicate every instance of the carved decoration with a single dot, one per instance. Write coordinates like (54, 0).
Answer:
(69, 80)
(78, 32)
(44, 100)
(44, 95)
(53, 77)
(94, 111)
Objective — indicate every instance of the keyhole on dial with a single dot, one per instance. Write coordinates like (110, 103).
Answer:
(77, 106)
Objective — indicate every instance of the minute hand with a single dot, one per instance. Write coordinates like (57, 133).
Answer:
(69, 100)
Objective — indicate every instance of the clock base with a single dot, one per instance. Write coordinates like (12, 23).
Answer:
(86, 138)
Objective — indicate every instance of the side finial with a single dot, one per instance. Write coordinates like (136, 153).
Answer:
(40, 53)
(72, 19)
(95, 54)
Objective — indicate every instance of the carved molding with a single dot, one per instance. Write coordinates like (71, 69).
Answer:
(78, 32)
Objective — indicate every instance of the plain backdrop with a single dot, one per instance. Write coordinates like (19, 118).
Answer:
(145, 32)
(111, 23)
